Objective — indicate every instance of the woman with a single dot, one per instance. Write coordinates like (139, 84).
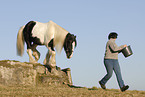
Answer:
(111, 62)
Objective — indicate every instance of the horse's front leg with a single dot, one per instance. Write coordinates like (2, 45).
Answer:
(46, 60)
(50, 58)
(52, 61)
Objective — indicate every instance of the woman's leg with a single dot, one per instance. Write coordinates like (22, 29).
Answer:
(118, 73)
(109, 68)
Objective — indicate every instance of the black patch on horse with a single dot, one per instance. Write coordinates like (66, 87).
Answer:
(50, 44)
(28, 35)
(70, 38)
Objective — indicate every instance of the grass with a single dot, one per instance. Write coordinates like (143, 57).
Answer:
(64, 91)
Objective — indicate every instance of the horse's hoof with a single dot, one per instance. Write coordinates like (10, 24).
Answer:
(37, 56)
(52, 65)
(55, 72)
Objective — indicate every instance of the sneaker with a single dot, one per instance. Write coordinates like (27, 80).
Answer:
(124, 88)
(102, 86)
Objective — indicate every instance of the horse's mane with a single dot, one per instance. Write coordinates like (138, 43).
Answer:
(59, 36)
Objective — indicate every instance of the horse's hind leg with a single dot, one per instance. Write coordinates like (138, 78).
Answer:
(29, 51)
(36, 54)
(31, 59)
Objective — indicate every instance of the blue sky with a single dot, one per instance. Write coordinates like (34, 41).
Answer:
(91, 21)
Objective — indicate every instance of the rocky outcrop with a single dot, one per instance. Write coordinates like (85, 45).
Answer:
(19, 73)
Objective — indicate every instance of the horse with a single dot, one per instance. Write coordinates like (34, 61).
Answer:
(51, 35)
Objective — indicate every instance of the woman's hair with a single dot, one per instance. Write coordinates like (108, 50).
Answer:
(113, 35)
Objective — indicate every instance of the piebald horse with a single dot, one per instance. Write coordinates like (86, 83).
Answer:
(49, 34)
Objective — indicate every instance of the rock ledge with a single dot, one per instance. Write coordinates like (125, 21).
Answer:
(19, 73)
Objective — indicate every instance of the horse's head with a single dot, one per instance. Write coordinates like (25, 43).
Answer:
(69, 45)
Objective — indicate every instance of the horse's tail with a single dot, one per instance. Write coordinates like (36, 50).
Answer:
(20, 42)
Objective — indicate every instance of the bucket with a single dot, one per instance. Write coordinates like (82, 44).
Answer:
(127, 51)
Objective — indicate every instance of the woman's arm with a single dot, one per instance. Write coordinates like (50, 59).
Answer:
(116, 48)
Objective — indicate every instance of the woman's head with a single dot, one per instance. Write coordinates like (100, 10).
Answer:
(113, 35)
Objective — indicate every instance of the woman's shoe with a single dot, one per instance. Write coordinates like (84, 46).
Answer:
(102, 86)
(124, 88)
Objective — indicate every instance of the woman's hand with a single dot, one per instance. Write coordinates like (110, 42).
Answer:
(125, 45)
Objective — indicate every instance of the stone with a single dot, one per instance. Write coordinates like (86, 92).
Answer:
(24, 73)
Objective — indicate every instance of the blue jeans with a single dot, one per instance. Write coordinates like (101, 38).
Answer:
(112, 64)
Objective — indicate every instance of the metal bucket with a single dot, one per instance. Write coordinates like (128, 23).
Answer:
(127, 51)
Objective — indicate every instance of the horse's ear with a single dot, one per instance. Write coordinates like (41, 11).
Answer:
(72, 35)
